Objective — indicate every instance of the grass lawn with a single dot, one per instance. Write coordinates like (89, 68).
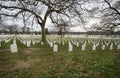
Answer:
(40, 61)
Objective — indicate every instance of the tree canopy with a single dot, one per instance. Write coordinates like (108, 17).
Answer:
(38, 11)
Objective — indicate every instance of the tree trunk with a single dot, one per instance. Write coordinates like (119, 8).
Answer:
(43, 34)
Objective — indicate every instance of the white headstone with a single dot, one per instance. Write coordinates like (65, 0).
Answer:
(107, 44)
(14, 41)
(24, 42)
(94, 47)
(77, 44)
(103, 47)
(51, 44)
(13, 48)
(55, 48)
(70, 48)
(42, 42)
(83, 47)
(28, 43)
(111, 46)
(63, 43)
(118, 46)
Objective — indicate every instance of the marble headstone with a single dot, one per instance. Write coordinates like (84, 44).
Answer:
(55, 48)
(83, 47)
(103, 47)
(13, 48)
(70, 48)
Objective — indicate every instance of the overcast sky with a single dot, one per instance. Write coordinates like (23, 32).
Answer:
(49, 25)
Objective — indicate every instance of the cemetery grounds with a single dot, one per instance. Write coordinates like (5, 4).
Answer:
(75, 57)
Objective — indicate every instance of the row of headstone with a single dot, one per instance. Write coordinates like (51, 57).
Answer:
(28, 40)
(55, 48)
(83, 47)
(8, 39)
(50, 43)
(70, 48)
(14, 48)
(5, 38)
(95, 43)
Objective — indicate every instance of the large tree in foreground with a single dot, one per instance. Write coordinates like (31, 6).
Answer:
(40, 10)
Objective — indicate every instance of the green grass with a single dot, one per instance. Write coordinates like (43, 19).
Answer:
(40, 61)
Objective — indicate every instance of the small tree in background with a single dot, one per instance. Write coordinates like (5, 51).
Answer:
(46, 31)
(62, 27)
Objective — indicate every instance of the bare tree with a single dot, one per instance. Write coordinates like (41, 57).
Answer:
(11, 29)
(40, 10)
(24, 22)
(94, 27)
(109, 13)
(62, 27)
(14, 28)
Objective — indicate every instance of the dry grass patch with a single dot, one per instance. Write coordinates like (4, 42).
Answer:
(30, 51)
(25, 64)
(4, 50)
